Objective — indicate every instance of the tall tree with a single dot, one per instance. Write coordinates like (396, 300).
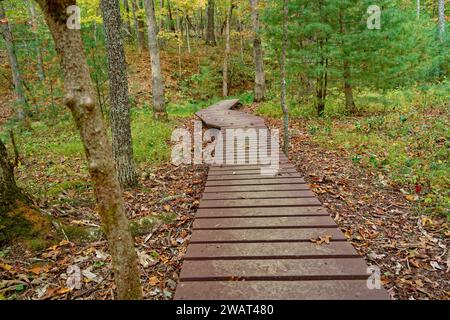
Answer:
(118, 92)
(80, 99)
(211, 29)
(15, 71)
(159, 104)
(441, 9)
(347, 73)
(38, 48)
(260, 79)
(225, 84)
(283, 76)
(138, 26)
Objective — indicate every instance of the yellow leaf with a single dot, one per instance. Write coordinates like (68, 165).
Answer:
(153, 281)
(5, 266)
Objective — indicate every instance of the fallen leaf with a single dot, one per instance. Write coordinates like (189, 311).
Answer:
(153, 281)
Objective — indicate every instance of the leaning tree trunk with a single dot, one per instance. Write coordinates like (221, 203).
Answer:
(159, 104)
(441, 10)
(227, 51)
(283, 77)
(9, 192)
(260, 79)
(10, 48)
(118, 93)
(80, 99)
(211, 29)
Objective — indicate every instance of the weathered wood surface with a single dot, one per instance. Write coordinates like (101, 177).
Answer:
(252, 237)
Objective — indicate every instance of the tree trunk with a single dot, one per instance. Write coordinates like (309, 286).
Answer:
(9, 192)
(347, 74)
(159, 104)
(80, 99)
(137, 27)
(283, 77)
(118, 93)
(170, 17)
(39, 62)
(441, 19)
(260, 79)
(188, 34)
(211, 29)
(418, 9)
(126, 6)
(16, 76)
(227, 50)
(322, 81)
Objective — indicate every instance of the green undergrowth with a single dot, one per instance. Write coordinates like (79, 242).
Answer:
(403, 135)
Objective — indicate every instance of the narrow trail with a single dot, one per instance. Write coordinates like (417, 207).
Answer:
(252, 236)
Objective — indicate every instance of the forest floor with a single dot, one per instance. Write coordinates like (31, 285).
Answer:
(398, 224)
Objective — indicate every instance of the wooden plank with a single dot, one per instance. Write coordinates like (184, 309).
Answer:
(258, 188)
(258, 195)
(261, 235)
(276, 290)
(280, 269)
(237, 169)
(245, 172)
(262, 212)
(263, 222)
(254, 203)
(255, 182)
(254, 176)
(300, 250)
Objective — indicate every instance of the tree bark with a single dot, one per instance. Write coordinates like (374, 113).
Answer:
(15, 71)
(9, 192)
(39, 58)
(227, 50)
(80, 99)
(260, 79)
(211, 29)
(441, 9)
(118, 93)
(283, 77)
(159, 104)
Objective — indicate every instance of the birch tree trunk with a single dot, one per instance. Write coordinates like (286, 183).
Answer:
(283, 77)
(227, 50)
(137, 25)
(211, 29)
(39, 58)
(80, 99)
(118, 93)
(260, 79)
(15, 71)
(418, 9)
(441, 10)
(159, 104)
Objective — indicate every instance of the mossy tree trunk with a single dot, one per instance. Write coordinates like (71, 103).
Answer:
(9, 192)
(80, 99)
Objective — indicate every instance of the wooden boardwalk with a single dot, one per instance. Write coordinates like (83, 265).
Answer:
(252, 235)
